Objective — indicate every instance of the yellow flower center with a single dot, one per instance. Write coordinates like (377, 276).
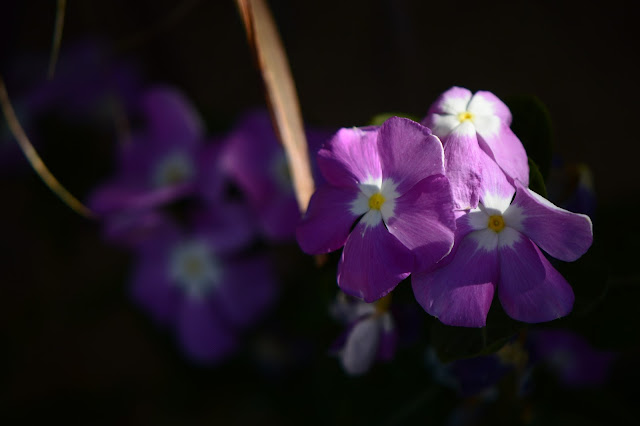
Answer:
(383, 304)
(376, 201)
(496, 223)
(464, 116)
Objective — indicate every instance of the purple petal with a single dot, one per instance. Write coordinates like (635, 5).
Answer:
(487, 102)
(248, 289)
(408, 152)
(350, 157)
(227, 226)
(171, 119)
(361, 347)
(530, 289)
(328, 220)
(203, 335)
(460, 293)
(373, 262)
(465, 164)
(505, 147)
(423, 221)
(562, 234)
(278, 219)
(388, 338)
(152, 290)
(118, 196)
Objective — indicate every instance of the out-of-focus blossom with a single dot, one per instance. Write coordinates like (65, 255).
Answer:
(371, 333)
(256, 162)
(195, 282)
(497, 246)
(571, 358)
(474, 130)
(390, 182)
(159, 164)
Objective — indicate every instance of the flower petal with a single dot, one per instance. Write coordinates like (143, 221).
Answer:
(171, 118)
(350, 157)
(453, 101)
(530, 289)
(460, 293)
(248, 289)
(505, 147)
(373, 262)
(465, 164)
(388, 338)
(202, 333)
(562, 234)
(361, 347)
(408, 153)
(486, 103)
(328, 220)
(424, 222)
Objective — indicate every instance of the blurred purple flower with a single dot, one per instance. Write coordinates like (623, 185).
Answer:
(256, 162)
(157, 165)
(390, 182)
(571, 358)
(370, 335)
(474, 130)
(193, 282)
(497, 246)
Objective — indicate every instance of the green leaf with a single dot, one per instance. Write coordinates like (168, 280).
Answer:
(378, 119)
(536, 181)
(532, 124)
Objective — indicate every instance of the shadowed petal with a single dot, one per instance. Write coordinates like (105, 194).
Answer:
(424, 221)
(562, 234)
(202, 334)
(361, 347)
(373, 262)
(388, 338)
(350, 157)
(247, 291)
(530, 289)
(326, 224)
(460, 293)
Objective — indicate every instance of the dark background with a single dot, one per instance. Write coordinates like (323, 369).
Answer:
(74, 347)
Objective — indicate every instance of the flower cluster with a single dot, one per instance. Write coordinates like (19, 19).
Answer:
(198, 270)
(447, 202)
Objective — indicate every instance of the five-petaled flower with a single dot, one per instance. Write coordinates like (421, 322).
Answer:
(475, 132)
(497, 247)
(390, 182)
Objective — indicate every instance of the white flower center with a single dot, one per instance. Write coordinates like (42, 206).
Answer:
(194, 268)
(173, 169)
(376, 201)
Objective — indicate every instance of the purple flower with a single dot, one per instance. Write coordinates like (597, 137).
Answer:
(256, 161)
(371, 334)
(158, 165)
(192, 282)
(390, 182)
(472, 128)
(575, 362)
(497, 246)
(570, 186)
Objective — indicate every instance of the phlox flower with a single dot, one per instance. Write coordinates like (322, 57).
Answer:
(370, 335)
(256, 162)
(497, 247)
(386, 199)
(475, 131)
(195, 282)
